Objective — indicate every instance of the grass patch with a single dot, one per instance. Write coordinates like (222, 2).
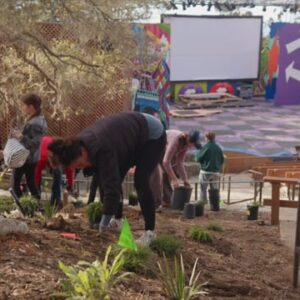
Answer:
(167, 245)
(29, 205)
(6, 204)
(136, 261)
(215, 227)
(200, 235)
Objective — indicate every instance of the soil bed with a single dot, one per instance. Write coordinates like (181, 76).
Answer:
(245, 261)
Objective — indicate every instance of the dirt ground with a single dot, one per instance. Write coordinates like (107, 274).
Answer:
(245, 261)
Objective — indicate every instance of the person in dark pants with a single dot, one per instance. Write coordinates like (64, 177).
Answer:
(110, 147)
(56, 174)
(31, 136)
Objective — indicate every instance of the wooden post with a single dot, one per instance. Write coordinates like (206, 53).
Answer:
(297, 246)
(276, 203)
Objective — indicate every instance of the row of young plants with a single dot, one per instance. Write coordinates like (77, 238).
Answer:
(98, 280)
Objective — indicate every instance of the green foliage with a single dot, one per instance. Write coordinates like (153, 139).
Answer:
(200, 235)
(254, 204)
(6, 204)
(167, 245)
(94, 212)
(176, 284)
(29, 205)
(49, 210)
(135, 260)
(93, 281)
(215, 227)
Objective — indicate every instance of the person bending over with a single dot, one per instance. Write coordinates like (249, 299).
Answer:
(110, 147)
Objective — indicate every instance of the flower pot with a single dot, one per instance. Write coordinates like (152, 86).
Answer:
(199, 208)
(189, 211)
(252, 212)
(181, 195)
(132, 200)
(214, 199)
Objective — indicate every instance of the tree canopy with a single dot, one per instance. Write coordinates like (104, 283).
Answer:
(60, 47)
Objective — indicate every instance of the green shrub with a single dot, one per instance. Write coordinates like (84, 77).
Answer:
(167, 245)
(215, 227)
(175, 282)
(6, 204)
(135, 260)
(29, 205)
(94, 212)
(93, 281)
(200, 235)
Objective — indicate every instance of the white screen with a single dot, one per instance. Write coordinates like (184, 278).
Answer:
(214, 48)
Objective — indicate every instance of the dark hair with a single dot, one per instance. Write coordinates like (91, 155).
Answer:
(65, 150)
(183, 140)
(34, 100)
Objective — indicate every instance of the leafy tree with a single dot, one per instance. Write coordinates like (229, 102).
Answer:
(63, 49)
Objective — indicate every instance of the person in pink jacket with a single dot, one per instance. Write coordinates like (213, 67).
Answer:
(172, 169)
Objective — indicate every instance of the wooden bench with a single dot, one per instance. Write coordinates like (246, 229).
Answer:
(275, 201)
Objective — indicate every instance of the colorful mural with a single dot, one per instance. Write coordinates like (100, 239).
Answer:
(153, 93)
(273, 59)
(288, 82)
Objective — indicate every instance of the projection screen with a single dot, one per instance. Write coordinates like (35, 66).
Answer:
(214, 48)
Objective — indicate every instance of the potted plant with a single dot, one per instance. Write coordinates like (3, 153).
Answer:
(94, 212)
(133, 198)
(252, 210)
(199, 208)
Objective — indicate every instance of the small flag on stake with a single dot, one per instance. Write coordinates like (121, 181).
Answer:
(126, 239)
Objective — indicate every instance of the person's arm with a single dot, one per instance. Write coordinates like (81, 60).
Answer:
(201, 155)
(109, 180)
(171, 150)
(33, 137)
(180, 166)
(38, 172)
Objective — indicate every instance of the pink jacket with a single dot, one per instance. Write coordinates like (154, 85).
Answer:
(173, 154)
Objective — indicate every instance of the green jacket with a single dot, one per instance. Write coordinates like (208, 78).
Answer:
(210, 157)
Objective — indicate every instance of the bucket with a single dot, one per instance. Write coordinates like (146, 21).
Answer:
(199, 208)
(181, 195)
(189, 211)
(214, 199)
(252, 212)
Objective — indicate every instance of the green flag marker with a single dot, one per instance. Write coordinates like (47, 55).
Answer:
(126, 239)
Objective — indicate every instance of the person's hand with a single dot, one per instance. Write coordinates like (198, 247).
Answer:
(187, 184)
(175, 183)
(17, 134)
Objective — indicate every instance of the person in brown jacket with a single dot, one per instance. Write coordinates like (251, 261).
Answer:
(110, 147)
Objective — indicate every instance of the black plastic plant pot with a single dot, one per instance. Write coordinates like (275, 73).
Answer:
(181, 195)
(214, 199)
(252, 212)
(189, 211)
(199, 209)
(94, 224)
(132, 200)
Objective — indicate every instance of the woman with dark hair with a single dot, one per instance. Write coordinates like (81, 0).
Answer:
(30, 136)
(110, 147)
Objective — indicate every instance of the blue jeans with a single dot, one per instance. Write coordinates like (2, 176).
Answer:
(56, 186)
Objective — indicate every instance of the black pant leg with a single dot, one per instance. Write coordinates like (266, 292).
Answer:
(150, 156)
(29, 174)
(16, 180)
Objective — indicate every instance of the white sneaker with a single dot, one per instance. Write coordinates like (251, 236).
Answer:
(115, 224)
(147, 238)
